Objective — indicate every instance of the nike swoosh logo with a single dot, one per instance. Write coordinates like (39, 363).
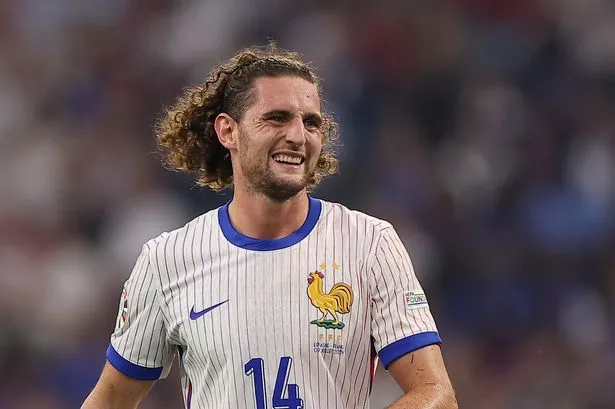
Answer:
(194, 315)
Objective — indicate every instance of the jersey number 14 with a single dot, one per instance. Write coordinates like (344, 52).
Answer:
(256, 366)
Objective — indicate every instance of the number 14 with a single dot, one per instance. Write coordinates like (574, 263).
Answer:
(293, 401)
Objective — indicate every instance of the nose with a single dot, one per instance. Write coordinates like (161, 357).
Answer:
(296, 134)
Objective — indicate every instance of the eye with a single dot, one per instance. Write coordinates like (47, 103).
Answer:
(311, 124)
(277, 118)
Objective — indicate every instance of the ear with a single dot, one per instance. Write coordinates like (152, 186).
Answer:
(226, 129)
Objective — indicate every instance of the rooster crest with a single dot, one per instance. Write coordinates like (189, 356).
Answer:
(338, 300)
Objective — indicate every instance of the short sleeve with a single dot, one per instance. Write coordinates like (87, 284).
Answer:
(400, 317)
(139, 347)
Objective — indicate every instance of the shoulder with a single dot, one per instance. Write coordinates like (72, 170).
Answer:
(355, 219)
(192, 230)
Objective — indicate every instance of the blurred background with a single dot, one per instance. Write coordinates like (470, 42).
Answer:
(484, 130)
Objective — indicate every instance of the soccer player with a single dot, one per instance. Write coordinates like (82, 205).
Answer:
(276, 299)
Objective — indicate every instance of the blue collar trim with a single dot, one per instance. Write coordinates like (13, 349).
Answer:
(249, 243)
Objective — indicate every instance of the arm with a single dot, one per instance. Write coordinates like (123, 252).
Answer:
(139, 352)
(115, 390)
(404, 331)
(423, 377)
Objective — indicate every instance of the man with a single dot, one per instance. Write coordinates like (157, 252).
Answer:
(277, 299)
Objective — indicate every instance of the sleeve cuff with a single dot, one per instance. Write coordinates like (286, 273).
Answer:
(129, 369)
(403, 346)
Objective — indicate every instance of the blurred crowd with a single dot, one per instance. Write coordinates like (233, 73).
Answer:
(484, 130)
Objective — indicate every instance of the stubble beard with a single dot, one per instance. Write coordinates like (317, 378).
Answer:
(261, 179)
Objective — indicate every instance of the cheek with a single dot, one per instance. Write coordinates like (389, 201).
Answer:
(251, 149)
(315, 142)
(316, 148)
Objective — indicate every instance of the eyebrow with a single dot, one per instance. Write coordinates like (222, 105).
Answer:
(286, 114)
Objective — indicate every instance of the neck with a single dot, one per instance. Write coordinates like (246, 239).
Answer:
(259, 217)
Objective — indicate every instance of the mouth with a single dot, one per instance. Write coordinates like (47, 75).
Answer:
(310, 279)
(293, 159)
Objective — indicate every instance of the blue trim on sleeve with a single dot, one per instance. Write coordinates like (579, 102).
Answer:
(129, 369)
(402, 346)
(250, 243)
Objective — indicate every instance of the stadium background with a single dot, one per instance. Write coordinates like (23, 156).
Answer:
(483, 129)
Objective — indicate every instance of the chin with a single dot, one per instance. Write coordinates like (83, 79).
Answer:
(283, 190)
(277, 186)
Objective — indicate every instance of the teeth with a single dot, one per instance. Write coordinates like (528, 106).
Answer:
(295, 160)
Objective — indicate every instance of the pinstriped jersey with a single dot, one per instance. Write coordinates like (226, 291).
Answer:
(286, 323)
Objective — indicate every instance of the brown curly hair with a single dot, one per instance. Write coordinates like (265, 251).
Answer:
(185, 133)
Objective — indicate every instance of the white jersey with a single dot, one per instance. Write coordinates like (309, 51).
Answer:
(287, 323)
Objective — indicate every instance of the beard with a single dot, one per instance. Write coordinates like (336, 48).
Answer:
(276, 188)
(261, 179)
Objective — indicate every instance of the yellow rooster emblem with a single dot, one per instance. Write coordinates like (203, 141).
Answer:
(338, 300)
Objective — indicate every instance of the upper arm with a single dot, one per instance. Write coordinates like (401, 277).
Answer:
(404, 331)
(115, 390)
(421, 368)
(139, 346)
(400, 315)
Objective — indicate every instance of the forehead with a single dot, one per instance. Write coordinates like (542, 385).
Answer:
(285, 94)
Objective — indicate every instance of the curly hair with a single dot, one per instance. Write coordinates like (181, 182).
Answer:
(185, 133)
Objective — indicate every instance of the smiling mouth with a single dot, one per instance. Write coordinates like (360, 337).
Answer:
(288, 159)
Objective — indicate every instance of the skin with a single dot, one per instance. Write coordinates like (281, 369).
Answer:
(422, 376)
(270, 199)
(114, 390)
(270, 202)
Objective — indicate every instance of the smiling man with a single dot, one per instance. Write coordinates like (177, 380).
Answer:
(276, 299)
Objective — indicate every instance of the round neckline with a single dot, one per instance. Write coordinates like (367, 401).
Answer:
(250, 243)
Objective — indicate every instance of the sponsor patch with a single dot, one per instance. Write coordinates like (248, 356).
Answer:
(415, 299)
(122, 315)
